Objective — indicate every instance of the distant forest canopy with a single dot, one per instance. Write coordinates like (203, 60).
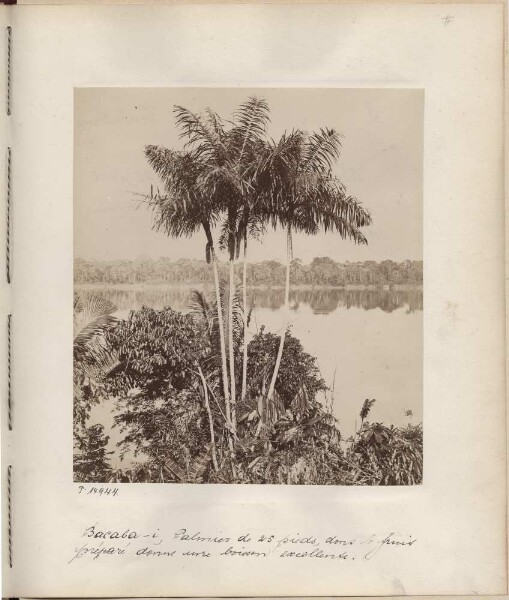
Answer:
(321, 271)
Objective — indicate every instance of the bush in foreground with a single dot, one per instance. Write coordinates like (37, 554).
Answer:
(169, 407)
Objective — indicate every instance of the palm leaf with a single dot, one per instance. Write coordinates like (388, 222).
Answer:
(202, 134)
(92, 319)
(321, 150)
(199, 463)
(87, 333)
(251, 119)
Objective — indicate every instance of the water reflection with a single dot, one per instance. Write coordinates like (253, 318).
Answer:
(321, 301)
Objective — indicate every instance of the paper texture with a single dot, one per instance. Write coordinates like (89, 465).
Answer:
(457, 516)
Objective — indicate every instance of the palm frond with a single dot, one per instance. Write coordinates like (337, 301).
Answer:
(199, 464)
(202, 134)
(251, 118)
(186, 205)
(200, 308)
(321, 150)
(92, 319)
(93, 328)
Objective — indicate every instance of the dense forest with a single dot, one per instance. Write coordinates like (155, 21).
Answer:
(321, 271)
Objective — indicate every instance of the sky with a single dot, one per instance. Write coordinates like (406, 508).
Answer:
(380, 164)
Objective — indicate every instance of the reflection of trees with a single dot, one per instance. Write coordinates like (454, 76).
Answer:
(273, 298)
(324, 301)
(321, 301)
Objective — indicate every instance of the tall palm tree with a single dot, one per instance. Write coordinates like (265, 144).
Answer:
(251, 121)
(181, 211)
(230, 158)
(304, 196)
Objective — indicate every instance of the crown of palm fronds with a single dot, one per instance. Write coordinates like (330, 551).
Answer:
(278, 164)
(251, 121)
(186, 204)
(234, 181)
(300, 190)
(204, 134)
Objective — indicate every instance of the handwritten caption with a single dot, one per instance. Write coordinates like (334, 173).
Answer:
(100, 543)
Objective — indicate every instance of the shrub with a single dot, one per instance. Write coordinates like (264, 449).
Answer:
(383, 455)
(159, 404)
(298, 374)
(90, 460)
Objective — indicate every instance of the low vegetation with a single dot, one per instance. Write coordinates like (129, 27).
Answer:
(162, 369)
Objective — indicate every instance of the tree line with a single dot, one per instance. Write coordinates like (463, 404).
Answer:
(270, 273)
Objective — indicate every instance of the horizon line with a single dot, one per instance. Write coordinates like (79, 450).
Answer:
(239, 260)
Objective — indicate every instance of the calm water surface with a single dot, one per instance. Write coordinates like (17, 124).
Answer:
(368, 343)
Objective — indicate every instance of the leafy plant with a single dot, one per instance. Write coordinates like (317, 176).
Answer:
(157, 351)
(162, 392)
(91, 459)
(92, 358)
(299, 379)
(384, 455)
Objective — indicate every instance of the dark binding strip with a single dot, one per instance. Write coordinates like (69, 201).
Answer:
(9, 390)
(9, 512)
(9, 42)
(8, 218)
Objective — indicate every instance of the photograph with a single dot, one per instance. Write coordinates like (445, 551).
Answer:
(248, 286)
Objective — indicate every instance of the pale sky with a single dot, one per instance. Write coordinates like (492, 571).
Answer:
(380, 164)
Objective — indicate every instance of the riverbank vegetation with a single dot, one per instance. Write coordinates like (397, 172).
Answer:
(319, 272)
(197, 399)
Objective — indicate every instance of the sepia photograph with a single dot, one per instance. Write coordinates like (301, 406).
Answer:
(248, 286)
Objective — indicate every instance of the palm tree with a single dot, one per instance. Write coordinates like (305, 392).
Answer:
(303, 195)
(230, 163)
(251, 119)
(181, 211)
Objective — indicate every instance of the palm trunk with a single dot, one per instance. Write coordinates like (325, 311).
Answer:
(287, 310)
(211, 421)
(244, 308)
(224, 366)
(231, 347)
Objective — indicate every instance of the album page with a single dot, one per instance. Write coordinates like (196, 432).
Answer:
(257, 301)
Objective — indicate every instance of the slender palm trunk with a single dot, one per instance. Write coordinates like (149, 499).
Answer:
(224, 366)
(211, 421)
(244, 309)
(287, 311)
(231, 347)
